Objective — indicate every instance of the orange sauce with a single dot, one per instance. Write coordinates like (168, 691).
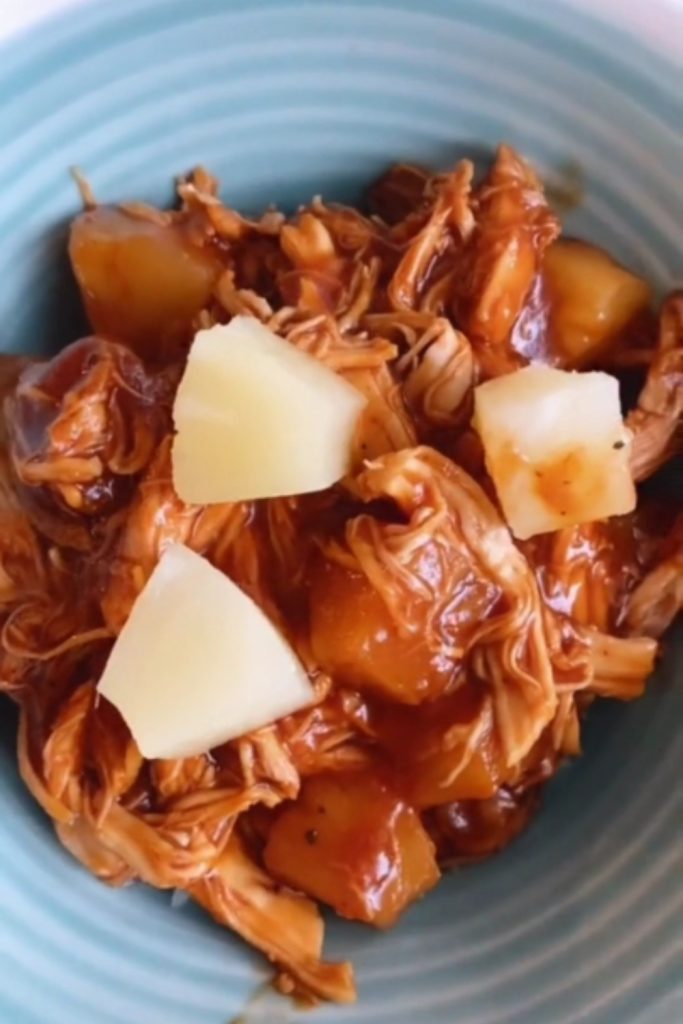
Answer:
(570, 482)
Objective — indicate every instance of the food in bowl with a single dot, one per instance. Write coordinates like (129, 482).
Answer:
(316, 552)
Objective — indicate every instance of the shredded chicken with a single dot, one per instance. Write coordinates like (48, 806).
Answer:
(157, 517)
(441, 374)
(241, 895)
(84, 841)
(658, 598)
(511, 228)
(621, 667)
(451, 220)
(82, 427)
(451, 666)
(21, 558)
(657, 421)
(442, 575)
(436, 366)
(588, 571)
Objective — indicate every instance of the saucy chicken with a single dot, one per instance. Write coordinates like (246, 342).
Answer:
(451, 663)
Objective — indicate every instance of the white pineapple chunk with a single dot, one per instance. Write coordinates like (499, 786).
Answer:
(198, 663)
(257, 418)
(556, 447)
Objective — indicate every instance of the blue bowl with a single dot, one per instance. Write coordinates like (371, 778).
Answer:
(580, 920)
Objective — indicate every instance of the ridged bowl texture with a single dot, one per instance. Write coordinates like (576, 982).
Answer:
(580, 921)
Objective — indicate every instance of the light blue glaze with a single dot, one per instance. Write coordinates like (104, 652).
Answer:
(580, 921)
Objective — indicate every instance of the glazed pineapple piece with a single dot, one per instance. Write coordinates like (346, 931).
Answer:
(556, 447)
(592, 300)
(143, 279)
(351, 842)
(256, 417)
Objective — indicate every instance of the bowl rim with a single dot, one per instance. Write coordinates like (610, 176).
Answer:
(656, 26)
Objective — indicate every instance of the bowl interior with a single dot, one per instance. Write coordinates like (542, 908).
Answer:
(577, 920)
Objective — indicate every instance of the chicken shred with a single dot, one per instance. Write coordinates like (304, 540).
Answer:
(241, 895)
(657, 420)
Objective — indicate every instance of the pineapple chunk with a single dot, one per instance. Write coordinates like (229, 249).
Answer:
(198, 663)
(592, 299)
(142, 281)
(257, 418)
(555, 446)
(352, 842)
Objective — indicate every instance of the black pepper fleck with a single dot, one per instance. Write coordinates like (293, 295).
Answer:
(311, 836)
(617, 445)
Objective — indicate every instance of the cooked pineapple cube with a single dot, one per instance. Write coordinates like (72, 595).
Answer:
(142, 281)
(353, 843)
(257, 418)
(198, 662)
(592, 300)
(556, 447)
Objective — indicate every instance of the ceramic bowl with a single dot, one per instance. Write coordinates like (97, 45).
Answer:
(580, 920)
